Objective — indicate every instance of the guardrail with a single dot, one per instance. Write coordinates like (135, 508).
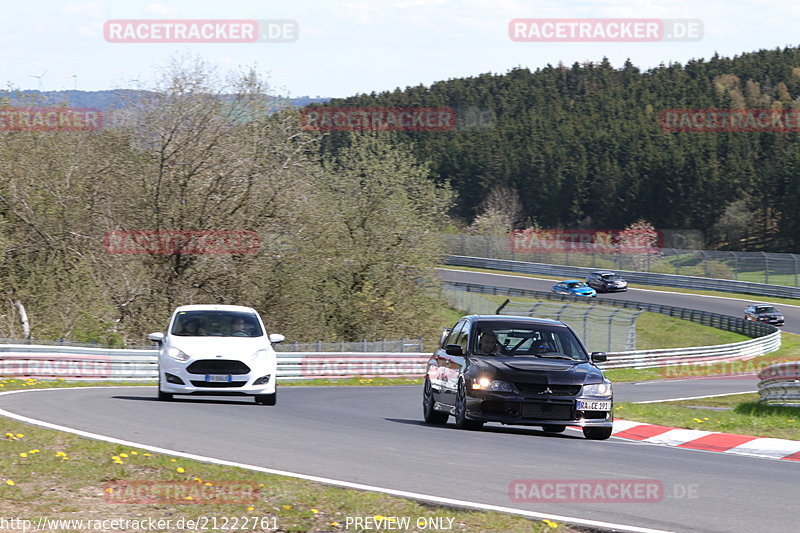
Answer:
(67, 362)
(780, 383)
(644, 278)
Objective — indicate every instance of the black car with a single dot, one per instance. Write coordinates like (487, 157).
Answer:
(517, 370)
(606, 281)
(763, 313)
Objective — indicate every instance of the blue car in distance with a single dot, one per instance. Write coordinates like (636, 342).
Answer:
(574, 287)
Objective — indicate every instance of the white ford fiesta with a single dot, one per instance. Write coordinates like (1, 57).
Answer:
(217, 349)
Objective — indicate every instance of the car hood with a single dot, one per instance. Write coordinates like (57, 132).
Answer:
(582, 290)
(227, 347)
(537, 370)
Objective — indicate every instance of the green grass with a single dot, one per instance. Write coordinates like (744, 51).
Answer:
(746, 416)
(654, 330)
(57, 475)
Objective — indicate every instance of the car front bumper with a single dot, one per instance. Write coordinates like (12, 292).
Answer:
(239, 384)
(507, 408)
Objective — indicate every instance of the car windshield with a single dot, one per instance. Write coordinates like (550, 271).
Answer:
(611, 277)
(576, 285)
(216, 324)
(766, 309)
(522, 340)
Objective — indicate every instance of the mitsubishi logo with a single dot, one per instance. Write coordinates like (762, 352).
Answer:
(546, 391)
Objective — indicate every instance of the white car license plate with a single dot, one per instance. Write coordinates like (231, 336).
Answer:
(217, 378)
(594, 405)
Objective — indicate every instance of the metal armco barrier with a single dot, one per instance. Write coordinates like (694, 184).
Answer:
(68, 362)
(644, 278)
(780, 384)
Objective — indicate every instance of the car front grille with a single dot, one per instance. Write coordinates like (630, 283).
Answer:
(531, 389)
(218, 366)
(547, 411)
(591, 415)
(218, 384)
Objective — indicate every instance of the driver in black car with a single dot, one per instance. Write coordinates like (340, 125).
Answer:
(488, 344)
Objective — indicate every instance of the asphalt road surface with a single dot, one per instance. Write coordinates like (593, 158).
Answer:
(376, 436)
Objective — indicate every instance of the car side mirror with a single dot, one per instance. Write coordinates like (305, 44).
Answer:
(599, 357)
(453, 349)
(156, 337)
(275, 338)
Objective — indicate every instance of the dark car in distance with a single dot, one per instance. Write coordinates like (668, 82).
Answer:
(763, 313)
(606, 281)
(520, 371)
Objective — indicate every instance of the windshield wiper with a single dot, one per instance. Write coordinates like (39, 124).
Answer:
(556, 355)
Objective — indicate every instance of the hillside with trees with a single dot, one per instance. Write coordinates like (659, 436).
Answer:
(583, 146)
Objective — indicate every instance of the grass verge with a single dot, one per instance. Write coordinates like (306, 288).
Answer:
(740, 413)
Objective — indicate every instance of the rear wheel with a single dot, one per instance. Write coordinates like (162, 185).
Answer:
(431, 415)
(597, 433)
(462, 422)
(554, 428)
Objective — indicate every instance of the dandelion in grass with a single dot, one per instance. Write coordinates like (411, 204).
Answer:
(60, 454)
(19, 435)
(550, 523)
(697, 420)
(251, 508)
(188, 498)
(23, 454)
(315, 511)
(287, 507)
(10, 482)
(207, 484)
(123, 455)
(147, 455)
(134, 452)
(180, 470)
(335, 524)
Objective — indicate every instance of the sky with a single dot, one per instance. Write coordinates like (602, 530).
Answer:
(360, 46)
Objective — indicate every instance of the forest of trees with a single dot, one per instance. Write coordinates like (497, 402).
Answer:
(583, 147)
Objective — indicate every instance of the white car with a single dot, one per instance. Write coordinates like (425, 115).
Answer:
(217, 349)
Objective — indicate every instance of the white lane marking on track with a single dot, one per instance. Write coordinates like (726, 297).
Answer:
(326, 481)
(698, 397)
(642, 290)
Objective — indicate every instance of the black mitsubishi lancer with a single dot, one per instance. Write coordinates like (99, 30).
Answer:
(517, 370)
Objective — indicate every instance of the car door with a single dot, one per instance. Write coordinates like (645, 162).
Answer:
(592, 281)
(437, 366)
(454, 364)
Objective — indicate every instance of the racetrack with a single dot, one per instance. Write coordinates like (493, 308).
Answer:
(721, 305)
(375, 436)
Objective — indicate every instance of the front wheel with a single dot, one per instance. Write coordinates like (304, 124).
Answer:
(462, 422)
(267, 399)
(431, 415)
(597, 433)
(163, 396)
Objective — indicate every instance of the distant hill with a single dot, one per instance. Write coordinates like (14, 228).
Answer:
(584, 146)
(103, 100)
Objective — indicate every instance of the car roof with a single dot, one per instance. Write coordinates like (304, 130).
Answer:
(513, 318)
(215, 307)
(572, 281)
(601, 272)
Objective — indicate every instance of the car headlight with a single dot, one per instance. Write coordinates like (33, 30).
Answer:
(598, 389)
(177, 354)
(492, 385)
